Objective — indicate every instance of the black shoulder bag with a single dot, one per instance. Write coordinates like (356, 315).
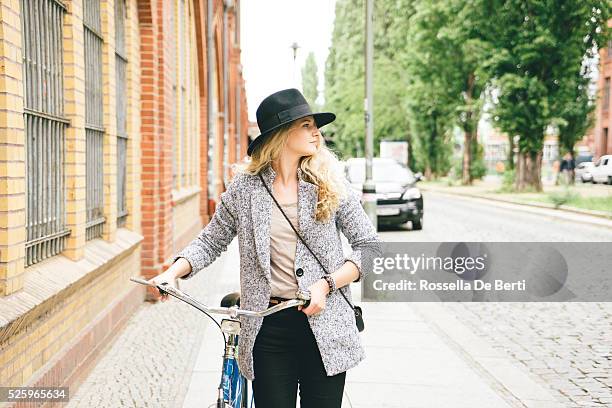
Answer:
(356, 309)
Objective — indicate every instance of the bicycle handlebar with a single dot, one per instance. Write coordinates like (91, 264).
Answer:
(302, 299)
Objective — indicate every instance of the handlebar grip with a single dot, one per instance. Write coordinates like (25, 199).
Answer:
(161, 291)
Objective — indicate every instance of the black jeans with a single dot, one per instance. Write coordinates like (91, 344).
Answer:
(285, 354)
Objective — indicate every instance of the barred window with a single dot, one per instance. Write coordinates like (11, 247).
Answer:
(94, 124)
(194, 118)
(182, 85)
(213, 159)
(185, 93)
(45, 124)
(181, 112)
(121, 108)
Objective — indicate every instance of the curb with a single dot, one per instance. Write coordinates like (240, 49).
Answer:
(562, 212)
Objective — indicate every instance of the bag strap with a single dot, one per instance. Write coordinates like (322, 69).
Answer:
(302, 239)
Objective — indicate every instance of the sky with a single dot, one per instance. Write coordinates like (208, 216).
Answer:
(267, 30)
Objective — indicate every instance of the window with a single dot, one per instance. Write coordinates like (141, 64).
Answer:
(121, 109)
(194, 106)
(213, 158)
(94, 125)
(45, 126)
(185, 155)
(181, 91)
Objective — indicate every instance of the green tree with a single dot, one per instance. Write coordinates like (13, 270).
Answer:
(430, 127)
(344, 75)
(539, 49)
(432, 95)
(445, 44)
(310, 80)
(467, 54)
(344, 89)
(576, 114)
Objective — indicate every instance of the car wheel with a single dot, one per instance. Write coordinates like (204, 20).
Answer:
(417, 224)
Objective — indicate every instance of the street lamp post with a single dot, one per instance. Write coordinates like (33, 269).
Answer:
(295, 47)
(369, 188)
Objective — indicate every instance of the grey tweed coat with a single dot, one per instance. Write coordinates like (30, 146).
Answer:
(245, 211)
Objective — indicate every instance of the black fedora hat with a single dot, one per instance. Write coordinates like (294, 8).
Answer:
(281, 108)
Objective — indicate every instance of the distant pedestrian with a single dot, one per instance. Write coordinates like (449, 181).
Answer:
(567, 169)
(290, 174)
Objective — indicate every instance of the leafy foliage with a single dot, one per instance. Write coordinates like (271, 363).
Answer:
(436, 59)
(310, 80)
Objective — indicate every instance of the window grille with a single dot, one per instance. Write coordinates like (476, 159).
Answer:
(45, 124)
(94, 122)
(121, 108)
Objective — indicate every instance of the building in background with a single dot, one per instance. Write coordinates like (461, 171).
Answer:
(114, 151)
(603, 140)
(495, 145)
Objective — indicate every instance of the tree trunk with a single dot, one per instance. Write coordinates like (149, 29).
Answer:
(466, 177)
(510, 153)
(528, 171)
(433, 162)
(572, 172)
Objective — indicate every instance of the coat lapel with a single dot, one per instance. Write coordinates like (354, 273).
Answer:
(261, 213)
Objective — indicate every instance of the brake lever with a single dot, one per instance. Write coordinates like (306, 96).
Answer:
(147, 283)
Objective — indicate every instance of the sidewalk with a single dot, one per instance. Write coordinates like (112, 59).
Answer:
(488, 189)
(417, 355)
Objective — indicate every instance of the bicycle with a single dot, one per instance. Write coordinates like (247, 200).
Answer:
(232, 390)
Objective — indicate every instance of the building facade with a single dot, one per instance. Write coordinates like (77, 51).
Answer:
(118, 122)
(603, 124)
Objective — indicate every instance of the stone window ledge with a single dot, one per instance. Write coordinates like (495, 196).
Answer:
(48, 283)
(184, 194)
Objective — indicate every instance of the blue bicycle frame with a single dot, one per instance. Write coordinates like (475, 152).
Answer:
(233, 386)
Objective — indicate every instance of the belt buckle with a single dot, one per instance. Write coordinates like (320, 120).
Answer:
(275, 301)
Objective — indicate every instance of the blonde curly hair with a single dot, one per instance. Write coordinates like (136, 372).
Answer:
(321, 169)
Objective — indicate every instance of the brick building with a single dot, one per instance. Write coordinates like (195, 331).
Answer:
(603, 124)
(118, 119)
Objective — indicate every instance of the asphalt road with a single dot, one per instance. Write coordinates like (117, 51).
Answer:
(453, 218)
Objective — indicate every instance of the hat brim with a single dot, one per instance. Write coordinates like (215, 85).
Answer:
(320, 118)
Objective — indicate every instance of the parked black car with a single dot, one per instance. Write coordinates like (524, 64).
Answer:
(397, 197)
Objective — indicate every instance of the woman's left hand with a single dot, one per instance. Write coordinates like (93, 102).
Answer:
(318, 297)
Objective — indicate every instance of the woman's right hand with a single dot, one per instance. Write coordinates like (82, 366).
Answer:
(169, 278)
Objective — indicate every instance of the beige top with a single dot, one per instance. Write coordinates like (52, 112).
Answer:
(282, 251)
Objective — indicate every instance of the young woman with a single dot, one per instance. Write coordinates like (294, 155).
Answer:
(312, 346)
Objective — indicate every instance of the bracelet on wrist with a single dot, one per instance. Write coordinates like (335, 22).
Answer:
(330, 282)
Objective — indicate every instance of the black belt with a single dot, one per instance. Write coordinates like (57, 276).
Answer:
(275, 300)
